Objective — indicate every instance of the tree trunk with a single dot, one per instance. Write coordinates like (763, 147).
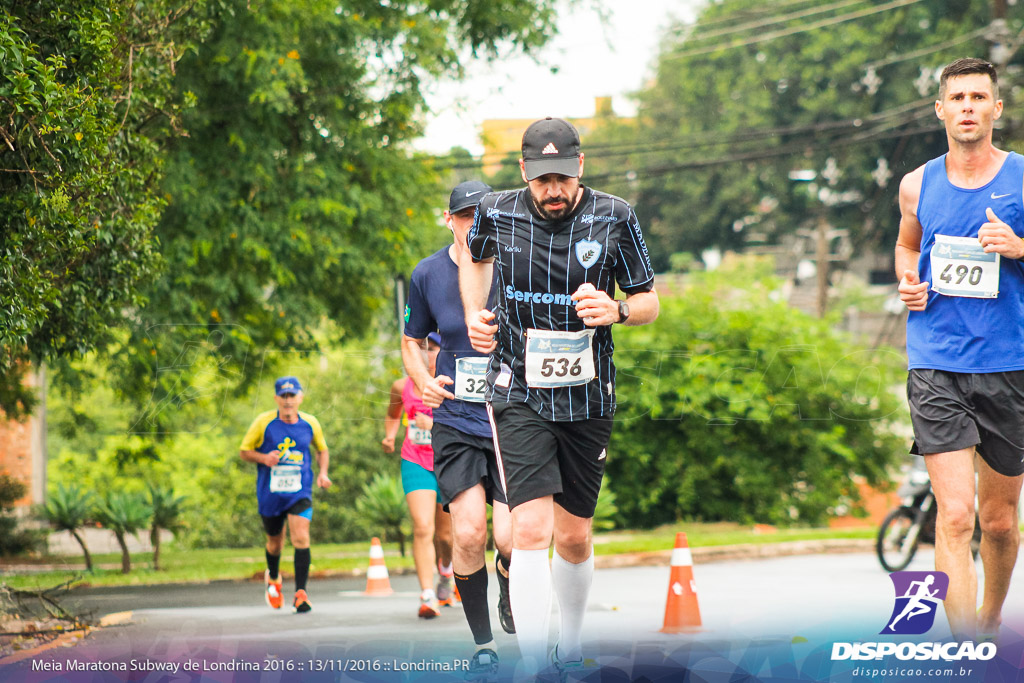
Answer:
(154, 540)
(126, 560)
(85, 551)
(401, 541)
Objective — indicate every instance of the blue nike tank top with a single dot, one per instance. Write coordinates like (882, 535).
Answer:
(961, 334)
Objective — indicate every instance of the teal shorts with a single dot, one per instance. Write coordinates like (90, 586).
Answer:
(418, 478)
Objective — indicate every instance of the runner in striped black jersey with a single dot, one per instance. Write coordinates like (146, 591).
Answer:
(558, 250)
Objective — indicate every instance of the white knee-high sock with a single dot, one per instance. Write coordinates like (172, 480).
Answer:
(529, 586)
(572, 586)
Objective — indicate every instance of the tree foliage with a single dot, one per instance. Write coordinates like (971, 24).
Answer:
(736, 407)
(85, 101)
(753, 91)
(68, 508)
(295, 196)
(124, 513)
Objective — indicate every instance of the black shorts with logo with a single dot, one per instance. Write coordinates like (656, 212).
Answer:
(540, 457)
(461, 461)
(954, 410)
(274, 525)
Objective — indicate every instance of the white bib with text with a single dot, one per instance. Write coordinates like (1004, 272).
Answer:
(559, 359)
(960, 267)
(285, 478)
(471, 378)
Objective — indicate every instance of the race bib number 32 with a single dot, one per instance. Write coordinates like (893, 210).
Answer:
(960, 267)
(471, 378)
(559, 359)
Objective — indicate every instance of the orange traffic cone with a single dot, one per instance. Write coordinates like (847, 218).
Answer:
(377, 581)
(681, 611)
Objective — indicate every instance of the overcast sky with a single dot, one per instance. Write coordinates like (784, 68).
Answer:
(586, 60)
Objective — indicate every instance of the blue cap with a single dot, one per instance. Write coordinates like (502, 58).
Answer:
(287, 385)
(434, 337)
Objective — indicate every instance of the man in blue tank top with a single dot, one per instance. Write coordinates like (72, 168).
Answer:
(958, 259)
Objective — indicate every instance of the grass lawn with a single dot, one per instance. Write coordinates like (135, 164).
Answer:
(180, 565)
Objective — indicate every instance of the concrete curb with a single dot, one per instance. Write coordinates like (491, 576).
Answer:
(730, 553)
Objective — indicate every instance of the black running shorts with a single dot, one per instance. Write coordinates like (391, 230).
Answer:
(953, 410)
(539, 457)
(275, 525)
(461, 461)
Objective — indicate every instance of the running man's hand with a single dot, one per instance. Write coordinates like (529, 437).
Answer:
(594, 306)
(998, 237)
(423, 421)
(323, 482)
(481, 331)
(388, 444)
(913, 292)
(271, 459)
(434, 391)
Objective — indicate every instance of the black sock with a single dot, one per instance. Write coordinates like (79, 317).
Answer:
(273, 564)
(302, 561)
(473, 590)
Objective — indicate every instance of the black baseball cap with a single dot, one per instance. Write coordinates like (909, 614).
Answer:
(551, 146)
(467, 194)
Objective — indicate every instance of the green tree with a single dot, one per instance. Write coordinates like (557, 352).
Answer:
(85, 101)
(383, 505)
(123, 513)
(753, 91)
(168, 510)
(67, 508)
(295, 196)
(736, 407)
(13, 540)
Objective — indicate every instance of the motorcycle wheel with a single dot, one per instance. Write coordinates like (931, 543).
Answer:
(894, 546)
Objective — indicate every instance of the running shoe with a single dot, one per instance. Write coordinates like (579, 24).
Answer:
(483, 666)
(564, 668)
(302, 601)
(273, 594)
(504, 602)
(445, 591)
(429, 608)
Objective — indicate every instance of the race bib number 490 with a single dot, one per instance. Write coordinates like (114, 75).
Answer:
(471, 378)
(285, 479)
(559, 359)
(960, 267)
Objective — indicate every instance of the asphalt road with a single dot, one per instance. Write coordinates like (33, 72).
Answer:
(777, 616)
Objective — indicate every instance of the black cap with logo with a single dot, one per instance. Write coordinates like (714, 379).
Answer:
(551, 146)
(467, 194)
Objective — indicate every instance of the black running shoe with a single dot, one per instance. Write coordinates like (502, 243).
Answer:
(504, 603)
(483, 666)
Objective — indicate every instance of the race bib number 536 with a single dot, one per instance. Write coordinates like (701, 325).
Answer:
(559, 359)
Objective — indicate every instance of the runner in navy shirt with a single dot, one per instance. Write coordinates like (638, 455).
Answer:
(464, 459)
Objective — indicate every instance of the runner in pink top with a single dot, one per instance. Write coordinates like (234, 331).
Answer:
(418, 420)
(431, 525)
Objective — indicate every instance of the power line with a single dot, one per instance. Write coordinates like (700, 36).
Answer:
(779, 19)
(913, 109)
(786, 150)
(962, 38)
(823, 23)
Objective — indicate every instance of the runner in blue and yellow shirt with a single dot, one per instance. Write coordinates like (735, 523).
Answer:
(281, 443)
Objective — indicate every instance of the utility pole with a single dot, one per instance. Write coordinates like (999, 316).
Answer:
(822, 253)
(999, 35)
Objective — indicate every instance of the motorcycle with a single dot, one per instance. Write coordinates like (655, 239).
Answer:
(913, 522)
